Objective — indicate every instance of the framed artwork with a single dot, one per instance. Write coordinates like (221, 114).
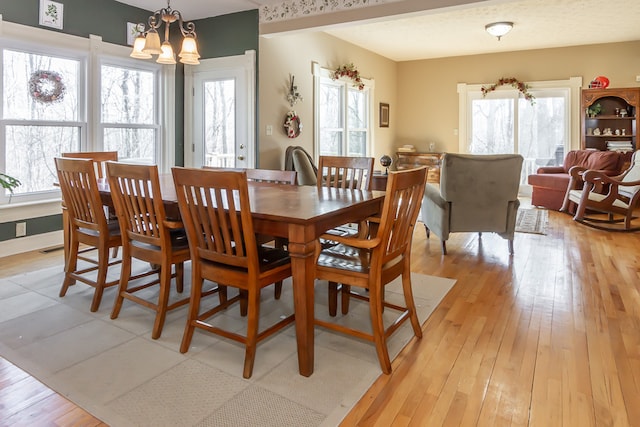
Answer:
(132, 32)
(384, 115)
(51, 14)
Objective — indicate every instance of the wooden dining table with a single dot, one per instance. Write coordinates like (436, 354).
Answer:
(300, 214)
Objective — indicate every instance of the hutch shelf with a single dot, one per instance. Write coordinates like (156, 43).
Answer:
(615, 126)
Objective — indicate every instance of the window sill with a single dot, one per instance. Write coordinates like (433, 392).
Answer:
(19, 211)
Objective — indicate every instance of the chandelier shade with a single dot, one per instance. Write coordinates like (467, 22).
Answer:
(148, 42)
(498, 29)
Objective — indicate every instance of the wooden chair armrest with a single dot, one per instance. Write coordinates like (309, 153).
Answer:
(577, 171)
(173, 224)
(356, 242)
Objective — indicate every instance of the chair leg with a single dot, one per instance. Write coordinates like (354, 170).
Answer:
(410, 303)
(511, 246)
(444, 247)
(125, 274)
(252, 332)
(103, 266)
(333, 299)
(346, 297)
(194, 308)
(277, 290)
(163, 300)
(180, 277)
(426, 229)
(243, 302)
(377, 325)
(70, 267)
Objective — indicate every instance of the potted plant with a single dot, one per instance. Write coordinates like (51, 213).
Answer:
(8, 182)
(594, 110)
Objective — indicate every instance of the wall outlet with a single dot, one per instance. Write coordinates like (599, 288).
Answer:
(638, 78)
(269, 130)
(21, 229)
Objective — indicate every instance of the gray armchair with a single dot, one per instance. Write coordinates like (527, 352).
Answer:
(476, 193)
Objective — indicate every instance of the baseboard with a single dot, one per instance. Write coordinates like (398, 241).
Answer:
(30, 243)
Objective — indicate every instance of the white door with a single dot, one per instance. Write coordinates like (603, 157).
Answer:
(219, 124)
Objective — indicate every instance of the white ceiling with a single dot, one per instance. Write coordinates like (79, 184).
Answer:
(457, 31)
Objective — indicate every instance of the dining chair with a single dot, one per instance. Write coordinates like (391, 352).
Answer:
(271, 175)
(373, 262)
(88, 224)
(353, 173)
(215, 208)
(147, 235)
(274, 177)
(99, 158)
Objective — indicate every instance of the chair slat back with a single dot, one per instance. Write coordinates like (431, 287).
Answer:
(399, 212)
(79, 188)
(274, 176)
(214, 206)
(352, 173)
(135, 190)
(99, 158)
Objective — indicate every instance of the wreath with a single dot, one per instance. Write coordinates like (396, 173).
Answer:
(46, 86)
(292, 124)
(523, 88)
(349, 71)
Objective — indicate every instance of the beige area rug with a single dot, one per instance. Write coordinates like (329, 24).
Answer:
(532, 221)
(114, 370)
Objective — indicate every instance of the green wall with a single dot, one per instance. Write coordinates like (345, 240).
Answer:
(226, 35)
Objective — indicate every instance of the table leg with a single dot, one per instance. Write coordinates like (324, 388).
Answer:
(302, 245)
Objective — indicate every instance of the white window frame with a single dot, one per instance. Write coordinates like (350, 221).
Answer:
(320, 74)
(469, 92)
(135, 65)
(92, 51)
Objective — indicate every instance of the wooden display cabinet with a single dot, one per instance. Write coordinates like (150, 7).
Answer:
(409, 160)
(612, 102)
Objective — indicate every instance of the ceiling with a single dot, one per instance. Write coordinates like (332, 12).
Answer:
(459, 30)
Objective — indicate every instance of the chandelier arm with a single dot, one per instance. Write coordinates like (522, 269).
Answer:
(155, 20)
(188, 28)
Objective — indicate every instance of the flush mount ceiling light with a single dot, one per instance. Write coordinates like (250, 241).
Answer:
(148, 41)
(498, 29)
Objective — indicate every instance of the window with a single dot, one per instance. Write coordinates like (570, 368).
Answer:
(128, 112)
(343, 116)
(41, 115)
(52, 103)
(505, 122)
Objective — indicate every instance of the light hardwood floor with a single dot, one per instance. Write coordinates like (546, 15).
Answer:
(548, 337)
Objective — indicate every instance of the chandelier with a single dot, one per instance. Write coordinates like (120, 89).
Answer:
(147, 42)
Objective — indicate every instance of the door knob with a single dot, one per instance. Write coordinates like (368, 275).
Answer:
(240, 157)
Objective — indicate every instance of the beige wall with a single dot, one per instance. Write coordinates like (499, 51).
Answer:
(427, 107)
(294, 54)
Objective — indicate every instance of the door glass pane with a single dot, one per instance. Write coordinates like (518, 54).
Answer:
(133, 145)
(128, 95)
(39, 87)
(492, 125)
(219, 123)
(30, 151)
(541, 133)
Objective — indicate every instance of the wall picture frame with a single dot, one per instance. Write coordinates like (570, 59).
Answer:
(51, 14)
(133, 30)
(384, 115)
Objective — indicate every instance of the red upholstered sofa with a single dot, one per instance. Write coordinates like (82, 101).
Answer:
(549, 184)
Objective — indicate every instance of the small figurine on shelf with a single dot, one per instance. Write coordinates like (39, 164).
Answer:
(623, 112)
(596, 131)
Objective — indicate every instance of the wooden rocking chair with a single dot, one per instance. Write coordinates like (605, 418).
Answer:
(615, 196)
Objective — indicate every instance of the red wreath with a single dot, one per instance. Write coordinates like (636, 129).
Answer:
(46, 86)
